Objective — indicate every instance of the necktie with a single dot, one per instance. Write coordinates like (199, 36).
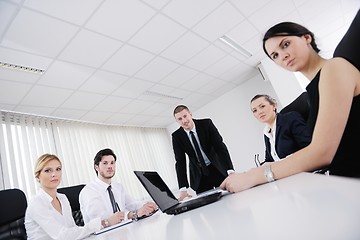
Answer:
(200, 157)
(112, 199)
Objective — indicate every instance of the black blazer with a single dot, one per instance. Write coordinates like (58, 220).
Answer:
(292, 134)
(211, 143)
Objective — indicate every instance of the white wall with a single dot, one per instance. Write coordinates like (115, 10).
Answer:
(231, 114)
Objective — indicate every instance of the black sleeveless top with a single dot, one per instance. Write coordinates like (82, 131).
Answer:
(346, 161)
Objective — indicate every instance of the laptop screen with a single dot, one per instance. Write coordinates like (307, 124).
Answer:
(157, 189)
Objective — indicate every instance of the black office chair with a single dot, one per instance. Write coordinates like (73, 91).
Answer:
(300, 104)
(13, 206)
(72, 193)
(348, 47)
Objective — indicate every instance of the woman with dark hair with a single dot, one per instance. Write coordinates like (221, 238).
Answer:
(284, 134)
(334, 120)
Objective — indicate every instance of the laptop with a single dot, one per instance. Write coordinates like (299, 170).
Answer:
(165, 199)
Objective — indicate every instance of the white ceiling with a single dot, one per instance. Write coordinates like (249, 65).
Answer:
(102, 57)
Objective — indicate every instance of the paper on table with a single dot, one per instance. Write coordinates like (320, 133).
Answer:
(113, 226)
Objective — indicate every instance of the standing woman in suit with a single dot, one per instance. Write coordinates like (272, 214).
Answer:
(334, 96)
(48, 215)
(284, 134)
(211, 165)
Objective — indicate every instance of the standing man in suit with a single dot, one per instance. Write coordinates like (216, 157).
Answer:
(209, 158)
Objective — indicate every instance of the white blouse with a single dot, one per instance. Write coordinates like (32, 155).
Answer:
(43, 221)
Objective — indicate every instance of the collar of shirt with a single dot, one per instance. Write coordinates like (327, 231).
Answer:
(270, 131)
(46, 196)
(192, 130)
(102, 185)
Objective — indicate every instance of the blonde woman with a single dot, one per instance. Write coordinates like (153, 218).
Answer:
(49, 215)
(284, 134)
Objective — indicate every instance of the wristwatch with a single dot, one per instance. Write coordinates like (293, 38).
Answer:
(268, 173)
(134, 216)
(106, 222)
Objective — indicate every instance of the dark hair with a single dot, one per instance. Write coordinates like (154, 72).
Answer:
(271, 100)
(179, 108)
(100, 154)
(289, 29)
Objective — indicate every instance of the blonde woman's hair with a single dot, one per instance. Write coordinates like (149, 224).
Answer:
(42, 161)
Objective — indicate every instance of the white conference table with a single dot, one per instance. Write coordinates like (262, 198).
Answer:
(304, 206)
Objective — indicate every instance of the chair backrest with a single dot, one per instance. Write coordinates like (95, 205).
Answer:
(300, 104)
(13, 206)
(348, 47)
(72, 193)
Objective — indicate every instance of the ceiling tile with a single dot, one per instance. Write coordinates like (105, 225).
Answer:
(18, 76)
(196, 100)
(211, 86)
(47, 38)
(197, 82)
(179, 76)
(68, 113)
(112, 104)
(158, 34)
(222, 20)
(185, 48)
(162, 90)
(242, 32)
(222, 65)
(195, 10)
(157, 109)
(7, 107)
(44, 111)
(42, 96)
(281, 8)
(157, 3)
(120, 19)
(22, 58)
(136, 106)
(7, 12)
(128, 60)
(65, 75)
(119, 118)
(12, 92)
(64, 10)
(97, 117)
(83, 101)
(205, 58)
(90, 49)
(103, 82)
(132, 88)
(158, 121)
(236, 72)
(157, 69)
(249, 7)
(226, 87)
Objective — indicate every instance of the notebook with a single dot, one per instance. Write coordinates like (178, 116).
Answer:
(113, 227)
(165, 199)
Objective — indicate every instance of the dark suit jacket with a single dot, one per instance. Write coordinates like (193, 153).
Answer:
(211, 143)
(292, 134)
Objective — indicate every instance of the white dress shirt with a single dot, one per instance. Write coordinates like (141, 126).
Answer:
(270, 133)
(95, 202)
(44, 222)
